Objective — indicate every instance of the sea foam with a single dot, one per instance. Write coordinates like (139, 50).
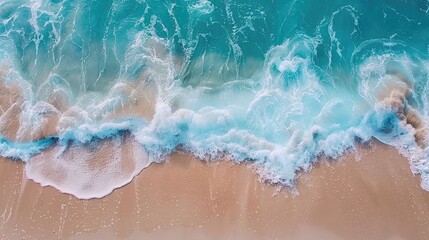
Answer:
(92, 92)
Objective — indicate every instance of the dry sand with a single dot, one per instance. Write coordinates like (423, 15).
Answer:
(374, 198)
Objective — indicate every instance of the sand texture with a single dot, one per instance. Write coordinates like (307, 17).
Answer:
(374, 198)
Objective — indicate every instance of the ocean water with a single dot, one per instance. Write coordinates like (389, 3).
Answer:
(274, 83)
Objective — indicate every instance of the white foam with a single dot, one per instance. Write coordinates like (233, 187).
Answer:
(89, 171)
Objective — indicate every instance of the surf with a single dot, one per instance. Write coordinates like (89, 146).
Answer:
(93, 92)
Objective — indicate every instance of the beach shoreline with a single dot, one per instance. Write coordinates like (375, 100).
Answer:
(214, 120)
(376, 197)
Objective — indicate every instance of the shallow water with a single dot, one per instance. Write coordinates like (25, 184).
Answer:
(274, 83)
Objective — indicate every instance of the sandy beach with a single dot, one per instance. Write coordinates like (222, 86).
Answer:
(107, 107)
(376, 197)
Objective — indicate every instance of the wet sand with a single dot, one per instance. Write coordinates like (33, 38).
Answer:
(376, 197)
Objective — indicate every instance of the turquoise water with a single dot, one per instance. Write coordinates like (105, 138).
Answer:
(275, 83)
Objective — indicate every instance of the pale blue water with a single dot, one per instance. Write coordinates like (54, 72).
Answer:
(276, 83)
